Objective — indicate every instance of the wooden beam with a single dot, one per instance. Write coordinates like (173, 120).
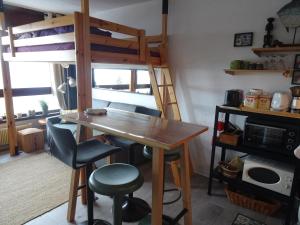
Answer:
(154, 39)
(9, 107)
(46, 24)
(107, 25)
(44, 56)
(102, 40)
(52, 39)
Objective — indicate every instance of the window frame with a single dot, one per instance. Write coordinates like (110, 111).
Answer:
(132, 86)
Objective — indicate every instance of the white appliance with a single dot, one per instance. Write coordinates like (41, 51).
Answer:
(268, 174)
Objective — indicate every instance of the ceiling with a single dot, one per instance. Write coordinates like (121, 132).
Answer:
(69, 6)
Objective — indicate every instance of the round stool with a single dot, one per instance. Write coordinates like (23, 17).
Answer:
(116, 180)
(169, 156)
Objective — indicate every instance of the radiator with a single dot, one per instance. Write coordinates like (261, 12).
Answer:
(4, 133)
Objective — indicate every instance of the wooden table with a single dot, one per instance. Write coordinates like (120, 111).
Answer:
(161, 134)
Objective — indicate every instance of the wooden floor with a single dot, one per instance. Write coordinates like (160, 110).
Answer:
(207, 210)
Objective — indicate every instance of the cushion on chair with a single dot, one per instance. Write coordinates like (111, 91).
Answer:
(93, 150)
(170, 155)
(115, 179)
(120, 142)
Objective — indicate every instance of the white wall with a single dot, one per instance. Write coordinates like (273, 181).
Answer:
(201, 46)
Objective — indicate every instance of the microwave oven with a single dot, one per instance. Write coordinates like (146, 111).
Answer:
(271, 135)
(269, 174)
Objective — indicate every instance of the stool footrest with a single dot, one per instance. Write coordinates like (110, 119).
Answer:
(176, 199)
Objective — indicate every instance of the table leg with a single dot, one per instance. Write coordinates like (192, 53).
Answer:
(157, 186)
(186, 184)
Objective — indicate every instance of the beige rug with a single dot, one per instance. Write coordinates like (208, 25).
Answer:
(31, 186)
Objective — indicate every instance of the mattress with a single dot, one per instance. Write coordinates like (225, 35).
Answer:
(71, 45)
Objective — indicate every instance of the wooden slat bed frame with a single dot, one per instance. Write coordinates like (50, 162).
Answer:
(138, 42)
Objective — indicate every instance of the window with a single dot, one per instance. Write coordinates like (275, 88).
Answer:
(123, 80)
(143, 82)
(112, 79)
(31, 82)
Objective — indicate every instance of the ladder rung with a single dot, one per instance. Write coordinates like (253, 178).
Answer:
(171, 103)
(164, 85)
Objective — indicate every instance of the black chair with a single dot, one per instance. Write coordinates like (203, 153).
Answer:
(134, 209)
(116, 180)
(64, 147)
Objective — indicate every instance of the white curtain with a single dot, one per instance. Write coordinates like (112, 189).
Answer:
(58, 78)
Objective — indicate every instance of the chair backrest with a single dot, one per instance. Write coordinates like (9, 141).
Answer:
(62, 144)
(98, 103)
(122, 106)
(148, 111)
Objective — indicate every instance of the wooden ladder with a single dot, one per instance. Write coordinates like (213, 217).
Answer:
(164, 93)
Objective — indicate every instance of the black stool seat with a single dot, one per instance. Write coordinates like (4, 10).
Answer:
(115, 179)
(169, 156)
(133, 208)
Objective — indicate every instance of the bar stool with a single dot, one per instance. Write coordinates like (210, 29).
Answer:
(169, 156)
(115, 180)
(64, 147)
(133, 208)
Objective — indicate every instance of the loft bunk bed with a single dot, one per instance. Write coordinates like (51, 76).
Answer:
(79, 39)
(59, 40)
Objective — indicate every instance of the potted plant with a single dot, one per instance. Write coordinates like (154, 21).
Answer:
(44, 107)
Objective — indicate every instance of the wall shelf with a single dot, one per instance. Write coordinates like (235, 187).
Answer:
(285, 73)
(263, 51)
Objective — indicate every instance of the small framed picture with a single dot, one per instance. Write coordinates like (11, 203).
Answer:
(296, 77)
(297, 62)
(243, 39)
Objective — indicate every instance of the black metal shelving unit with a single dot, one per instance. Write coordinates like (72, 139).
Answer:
(238, 183)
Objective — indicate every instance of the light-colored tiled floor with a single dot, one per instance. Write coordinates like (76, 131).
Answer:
(207, 210)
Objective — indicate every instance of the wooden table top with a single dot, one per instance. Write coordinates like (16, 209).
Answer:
(144, 129)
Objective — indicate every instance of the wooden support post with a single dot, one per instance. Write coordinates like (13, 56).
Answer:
(165, 11)
(165, 28)
(11, 42)
(142, 42)
(10, 120)
(133, 79)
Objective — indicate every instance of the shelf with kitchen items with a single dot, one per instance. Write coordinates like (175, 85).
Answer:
(238, 183)
(272, 64)
(282, 50)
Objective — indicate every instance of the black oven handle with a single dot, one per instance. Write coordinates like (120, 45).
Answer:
(265, 126)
